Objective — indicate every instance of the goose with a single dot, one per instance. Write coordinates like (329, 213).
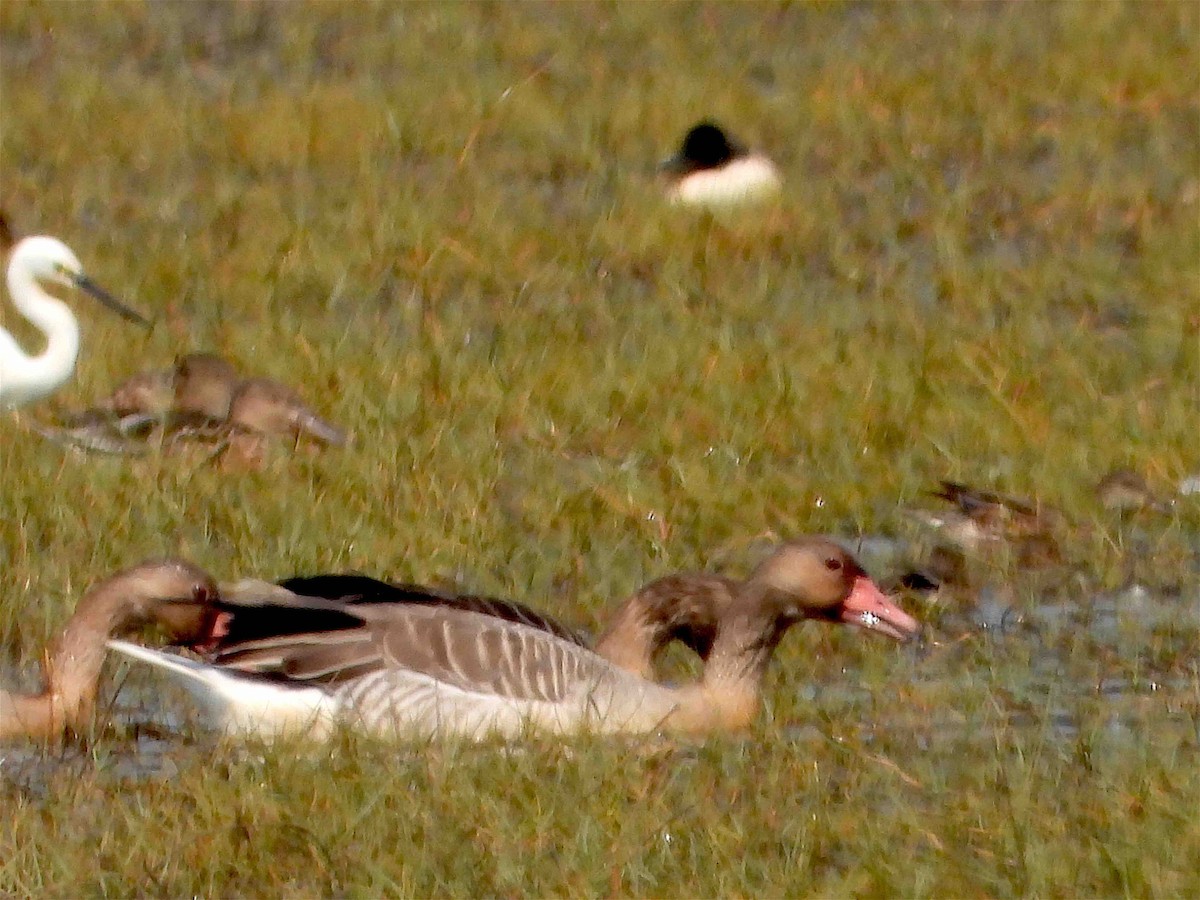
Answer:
(25, 378)
(712, 170)
(133, 597)
(432, 669)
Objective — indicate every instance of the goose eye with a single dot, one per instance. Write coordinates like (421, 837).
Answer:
(833, 564)
(200, 593)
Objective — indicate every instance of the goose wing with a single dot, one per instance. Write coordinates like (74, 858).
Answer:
(357, 589)
(256, 610)
(313, 640)
(482, 654)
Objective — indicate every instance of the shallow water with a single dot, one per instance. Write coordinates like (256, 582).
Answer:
(1059, 664)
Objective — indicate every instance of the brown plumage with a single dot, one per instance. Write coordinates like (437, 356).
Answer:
(264, 406)
(689, 608)
(116, 605)
(205, 384)
(7, 236)
(683, 607)
(202, 397)
(1126, 491)
(983, 519)
(149, 393)
(430, 668)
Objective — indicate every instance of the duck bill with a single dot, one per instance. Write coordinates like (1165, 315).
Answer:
(88, 286)
(674, 165)
(870, 608)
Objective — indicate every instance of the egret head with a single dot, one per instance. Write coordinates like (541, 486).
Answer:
(49, 259)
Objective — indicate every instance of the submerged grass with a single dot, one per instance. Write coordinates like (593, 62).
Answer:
(441, 222)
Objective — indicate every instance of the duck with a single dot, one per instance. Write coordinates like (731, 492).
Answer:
(150, 393)
(1125, 491)
(264, 406)
(713, 171)
(984, 519)
(430, 669)
(207, 389)
(166, 592)
(198, 384)
(24, 378)
(202, 397)
(205, 385)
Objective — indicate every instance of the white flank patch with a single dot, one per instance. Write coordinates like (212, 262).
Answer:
(238, 703)
(742, 180)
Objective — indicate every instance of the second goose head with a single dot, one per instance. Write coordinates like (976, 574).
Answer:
(806, 578)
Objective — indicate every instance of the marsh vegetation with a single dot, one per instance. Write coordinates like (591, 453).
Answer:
(441, 221)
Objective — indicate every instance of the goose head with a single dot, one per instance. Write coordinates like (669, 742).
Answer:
(816, 578)
(173, 593)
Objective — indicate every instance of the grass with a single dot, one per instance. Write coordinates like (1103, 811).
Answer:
(440, 221)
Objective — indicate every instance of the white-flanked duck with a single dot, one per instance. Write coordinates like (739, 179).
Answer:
(437, 669)
(712, 170)
(25, 378)
(127, 600)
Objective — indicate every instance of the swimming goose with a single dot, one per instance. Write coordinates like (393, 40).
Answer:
(712, 170)
(425, 669)
(689, 607)
(683, 607)
(116, 605)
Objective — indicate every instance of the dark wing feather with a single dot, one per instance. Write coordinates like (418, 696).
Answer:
(975, 503)
(324, 658)
(356, 589)
(328, 628)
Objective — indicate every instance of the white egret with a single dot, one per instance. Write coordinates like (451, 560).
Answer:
(24, 378)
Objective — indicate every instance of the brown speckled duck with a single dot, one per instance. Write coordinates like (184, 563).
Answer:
(201, 397)
(982, 519)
